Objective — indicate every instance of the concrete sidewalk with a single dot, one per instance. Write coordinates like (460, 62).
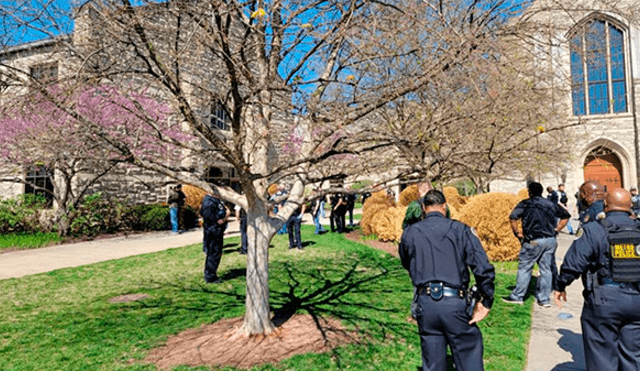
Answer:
(556, 336)
(24, 262)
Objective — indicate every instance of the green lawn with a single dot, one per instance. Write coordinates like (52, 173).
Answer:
(63, 320)
(27, 241)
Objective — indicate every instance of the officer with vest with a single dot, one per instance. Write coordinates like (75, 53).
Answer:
(607, 253)
(438, 253)
(591, 197)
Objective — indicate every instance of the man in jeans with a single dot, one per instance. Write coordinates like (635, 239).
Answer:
(176, 202)
(538, 238)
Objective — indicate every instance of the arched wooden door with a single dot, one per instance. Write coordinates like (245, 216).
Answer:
(604, 166)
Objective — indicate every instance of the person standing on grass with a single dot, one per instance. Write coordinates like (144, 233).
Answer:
(176, 202)
(438, 253)
(542, 219)
(316, 212)
(350, 200)
(214, 215)
(607, 256)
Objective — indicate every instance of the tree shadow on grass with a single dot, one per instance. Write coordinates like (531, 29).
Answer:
(351, 292)
(336, 293)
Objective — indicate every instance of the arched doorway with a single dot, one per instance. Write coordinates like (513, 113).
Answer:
(605, 166)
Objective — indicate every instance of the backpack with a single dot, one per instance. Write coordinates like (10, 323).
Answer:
(623, 254)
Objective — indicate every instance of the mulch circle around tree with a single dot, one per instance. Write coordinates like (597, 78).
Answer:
(358, 236)
(218, 344)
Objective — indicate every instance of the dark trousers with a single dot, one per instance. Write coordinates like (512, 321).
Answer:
(340, 219)
(243, 234)
(293, 228)
(350, 211)
(212, 243)
(445, 322)
(611, 329)
(332, 219)
(337, 219)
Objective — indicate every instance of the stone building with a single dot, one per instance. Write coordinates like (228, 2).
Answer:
(595, 54)
(53, 59)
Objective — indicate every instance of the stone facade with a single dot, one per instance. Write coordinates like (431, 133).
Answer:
(605, 143)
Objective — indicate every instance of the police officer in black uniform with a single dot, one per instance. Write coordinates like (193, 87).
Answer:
(592, 199)
(607, 255)
(438, 253)
(214, 215)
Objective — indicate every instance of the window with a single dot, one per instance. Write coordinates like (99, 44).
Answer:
(598, 82)
(45, 72)
(219, 117)
(39, 181)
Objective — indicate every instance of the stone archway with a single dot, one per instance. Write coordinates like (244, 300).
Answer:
(603, 165)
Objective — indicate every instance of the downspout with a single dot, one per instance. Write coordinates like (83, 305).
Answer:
(636, 145)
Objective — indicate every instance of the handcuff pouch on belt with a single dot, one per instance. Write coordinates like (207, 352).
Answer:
(435, 290)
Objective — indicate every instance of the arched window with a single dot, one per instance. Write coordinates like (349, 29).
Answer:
(598, 70)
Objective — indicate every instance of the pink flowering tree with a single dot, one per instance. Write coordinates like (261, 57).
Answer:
(77, 147)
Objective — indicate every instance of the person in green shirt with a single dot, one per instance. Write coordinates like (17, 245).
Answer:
(414, 211)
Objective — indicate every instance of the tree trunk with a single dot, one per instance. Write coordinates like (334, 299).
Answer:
(257, 318)
(63, 222)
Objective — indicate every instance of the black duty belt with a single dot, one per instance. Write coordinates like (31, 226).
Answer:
(437, 290)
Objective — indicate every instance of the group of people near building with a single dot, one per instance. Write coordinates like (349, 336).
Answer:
(440, 253)
(215, 215)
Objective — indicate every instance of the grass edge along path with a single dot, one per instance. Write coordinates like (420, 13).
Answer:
(63, 320)
(21, 241)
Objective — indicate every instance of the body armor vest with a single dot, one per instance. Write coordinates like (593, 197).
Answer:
(623, 254)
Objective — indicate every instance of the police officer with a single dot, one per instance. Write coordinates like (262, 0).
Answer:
(591, 198)
(635, 201)
(541, 221)
(214, 215)
(438, 253)
(607, 256)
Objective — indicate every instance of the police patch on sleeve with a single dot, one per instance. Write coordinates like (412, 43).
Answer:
(579, 233)
(473, 231)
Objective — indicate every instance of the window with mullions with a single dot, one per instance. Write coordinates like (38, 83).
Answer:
(39, 181)
(219, 117)
(45, 72)
(597, 70)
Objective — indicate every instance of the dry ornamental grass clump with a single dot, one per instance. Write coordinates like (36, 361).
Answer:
(453, 198)
(374, 204)
(194, 195)
(489, 214)
(409, 195)
(523, 194)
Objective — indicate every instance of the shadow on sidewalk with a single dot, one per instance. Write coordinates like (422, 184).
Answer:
(572, 343)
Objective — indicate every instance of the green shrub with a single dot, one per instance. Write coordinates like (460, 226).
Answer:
(155, 218)
(97, 214)
(361, 184)
(20, 214)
